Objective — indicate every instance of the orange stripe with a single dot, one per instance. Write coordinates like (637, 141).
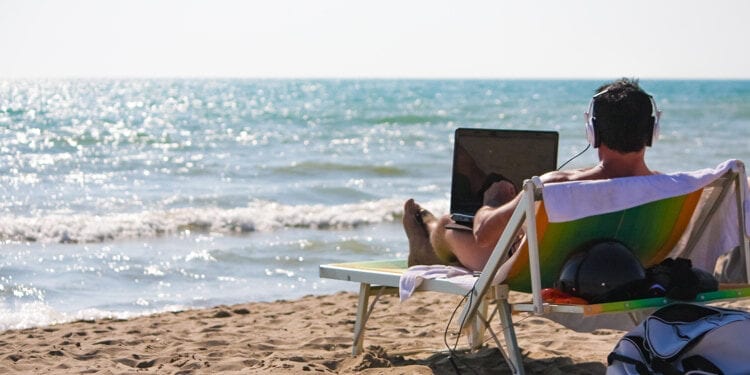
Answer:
(678, 229)
(522, 261)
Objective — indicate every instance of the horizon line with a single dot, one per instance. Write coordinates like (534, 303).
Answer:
(363, 78)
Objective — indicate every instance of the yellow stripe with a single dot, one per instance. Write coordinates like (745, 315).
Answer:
(682, 221)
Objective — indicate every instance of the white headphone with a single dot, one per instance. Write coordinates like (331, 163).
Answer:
(591, 132)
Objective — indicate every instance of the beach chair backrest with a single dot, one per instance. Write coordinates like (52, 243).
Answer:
(651, 230)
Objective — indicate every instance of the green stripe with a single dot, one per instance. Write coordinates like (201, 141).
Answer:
(657, 302)
(390, 265)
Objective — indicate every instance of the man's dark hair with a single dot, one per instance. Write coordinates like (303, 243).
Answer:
(623, 113)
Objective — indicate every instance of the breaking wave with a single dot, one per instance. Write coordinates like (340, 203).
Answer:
(257, 216)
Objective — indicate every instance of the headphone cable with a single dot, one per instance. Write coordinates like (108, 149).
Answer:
(575, 156)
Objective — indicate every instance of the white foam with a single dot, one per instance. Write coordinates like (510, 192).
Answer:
(257, 216)
(39, 314)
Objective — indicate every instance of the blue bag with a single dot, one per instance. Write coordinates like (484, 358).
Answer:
(685, 339)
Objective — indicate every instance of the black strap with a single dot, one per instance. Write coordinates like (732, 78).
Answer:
(664, 367)
(639, 343)
(692, 363)
(641, 367)
(657, 365)
(700, 363)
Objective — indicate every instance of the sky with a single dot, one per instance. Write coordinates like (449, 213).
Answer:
(672, 39)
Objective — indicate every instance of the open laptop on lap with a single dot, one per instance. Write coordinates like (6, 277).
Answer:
(484, 156)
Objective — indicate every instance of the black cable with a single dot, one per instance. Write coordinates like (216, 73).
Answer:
(575, 156)
(452, 355)
(452, 350)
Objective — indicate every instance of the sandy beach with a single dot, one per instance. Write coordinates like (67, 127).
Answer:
(308, 335)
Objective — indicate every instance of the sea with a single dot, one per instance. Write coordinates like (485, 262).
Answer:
(126, 197)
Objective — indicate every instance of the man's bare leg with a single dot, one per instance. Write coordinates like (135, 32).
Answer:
(417, 222)
(462, 244)
(457, 244)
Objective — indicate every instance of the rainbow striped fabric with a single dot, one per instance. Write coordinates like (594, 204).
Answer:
(651, 230)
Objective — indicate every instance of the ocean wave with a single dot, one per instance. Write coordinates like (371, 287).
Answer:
(409, 119)
(314, 168)
(36, 314)
(257, 216)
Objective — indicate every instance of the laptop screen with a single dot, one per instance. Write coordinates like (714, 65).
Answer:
(484, 156)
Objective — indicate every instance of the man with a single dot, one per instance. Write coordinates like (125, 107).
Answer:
(620, 125)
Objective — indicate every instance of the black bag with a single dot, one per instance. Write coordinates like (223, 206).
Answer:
(679, 280)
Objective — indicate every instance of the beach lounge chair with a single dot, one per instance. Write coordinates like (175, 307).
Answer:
(698, 215)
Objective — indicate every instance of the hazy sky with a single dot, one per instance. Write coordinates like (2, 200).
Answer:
(378, 38)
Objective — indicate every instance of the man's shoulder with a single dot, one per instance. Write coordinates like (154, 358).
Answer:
(570, 175)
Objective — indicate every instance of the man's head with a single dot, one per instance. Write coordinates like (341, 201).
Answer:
(623, 118)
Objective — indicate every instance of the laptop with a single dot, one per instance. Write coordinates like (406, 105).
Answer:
(484, 156)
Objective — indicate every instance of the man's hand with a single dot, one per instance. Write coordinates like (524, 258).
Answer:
(499, 193)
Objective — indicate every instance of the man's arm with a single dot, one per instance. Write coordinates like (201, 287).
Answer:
(492, 218)
(500, 200)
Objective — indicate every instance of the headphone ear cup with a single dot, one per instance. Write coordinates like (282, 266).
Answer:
(589, 123)
(655, 130)
(655, 115)
(591, 132)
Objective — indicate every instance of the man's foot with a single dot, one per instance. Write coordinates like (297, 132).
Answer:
(416, 223)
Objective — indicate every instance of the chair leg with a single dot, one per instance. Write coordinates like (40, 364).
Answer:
(477, 328)
(359, 325)
(506, 320)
